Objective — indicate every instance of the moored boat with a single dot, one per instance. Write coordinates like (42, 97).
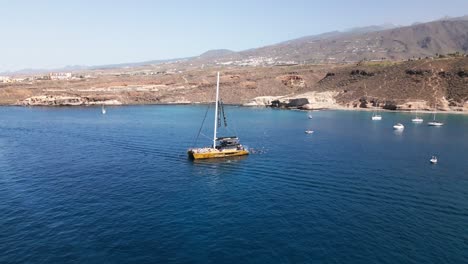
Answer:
(398, 126)
(434, 122)
(376, 117)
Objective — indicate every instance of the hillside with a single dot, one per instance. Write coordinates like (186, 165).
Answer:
(371, 43)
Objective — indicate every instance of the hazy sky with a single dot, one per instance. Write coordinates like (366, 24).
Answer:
(48, 34)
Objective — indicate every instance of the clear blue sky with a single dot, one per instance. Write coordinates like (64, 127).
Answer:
(48, 34)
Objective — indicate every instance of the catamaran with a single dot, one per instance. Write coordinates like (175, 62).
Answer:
(222, 146)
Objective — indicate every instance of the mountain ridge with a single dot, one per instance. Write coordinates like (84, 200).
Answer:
(375, 42)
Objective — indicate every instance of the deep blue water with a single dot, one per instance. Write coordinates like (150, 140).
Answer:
(80, 187)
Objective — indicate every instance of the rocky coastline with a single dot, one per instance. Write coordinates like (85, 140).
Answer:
(421, 85)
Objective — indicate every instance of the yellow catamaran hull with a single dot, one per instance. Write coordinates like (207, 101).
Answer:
(214, 153)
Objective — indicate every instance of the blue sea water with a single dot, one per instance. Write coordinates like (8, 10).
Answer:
(77, 186)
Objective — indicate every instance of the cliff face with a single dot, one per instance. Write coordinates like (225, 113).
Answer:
(421, 84)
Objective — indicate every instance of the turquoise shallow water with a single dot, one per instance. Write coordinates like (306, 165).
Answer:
(80, 187)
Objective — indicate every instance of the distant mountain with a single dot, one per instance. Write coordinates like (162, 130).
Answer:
(75, 68)
(371, 28)
(373, 42)
(216, 53)
(136, 64)
(386, 41)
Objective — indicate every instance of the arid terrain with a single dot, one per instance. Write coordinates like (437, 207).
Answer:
(440, 83)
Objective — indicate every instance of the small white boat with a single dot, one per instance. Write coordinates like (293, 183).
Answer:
(309, 131)
(433, 160)
(103, 110)
(399, 126)
(435, 123)
(310, 116)
(375, 116)
(417, 119)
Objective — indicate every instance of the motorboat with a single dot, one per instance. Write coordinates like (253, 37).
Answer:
(309, 131)
(433, 160)
(398, 126)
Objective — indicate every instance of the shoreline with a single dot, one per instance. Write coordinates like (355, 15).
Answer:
(258, 106)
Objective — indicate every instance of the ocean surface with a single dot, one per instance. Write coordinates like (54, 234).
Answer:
(77, 186)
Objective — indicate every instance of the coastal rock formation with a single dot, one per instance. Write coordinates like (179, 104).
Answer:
(47, 100)
(320, 100)
(307, 101)
(262, 101)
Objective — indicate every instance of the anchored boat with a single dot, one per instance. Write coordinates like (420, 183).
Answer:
(222, 146)
(376, 117)
(417, 119)
(399, 126)
(434, 122)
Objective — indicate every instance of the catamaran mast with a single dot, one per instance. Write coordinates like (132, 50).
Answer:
(216, 113)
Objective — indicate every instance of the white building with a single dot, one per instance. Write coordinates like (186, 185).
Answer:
(5, 79)
(60, 75)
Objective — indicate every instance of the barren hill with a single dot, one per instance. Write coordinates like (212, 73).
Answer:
(420, 40)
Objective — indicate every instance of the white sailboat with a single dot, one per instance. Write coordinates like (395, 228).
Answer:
(399, 126)
(103, 110)
(434, 122)
(417, 119)
(376, 117)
